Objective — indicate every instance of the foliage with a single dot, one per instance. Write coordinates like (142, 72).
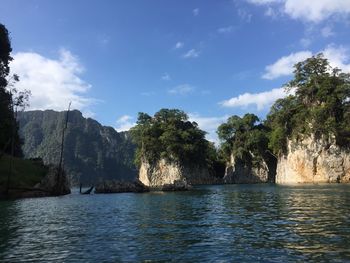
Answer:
(243, 137)
(170, 135)
(11, 100)
(320, 105)
(92, 152)
(25, 173)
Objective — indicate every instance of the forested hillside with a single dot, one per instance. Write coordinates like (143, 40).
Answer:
(92, 152)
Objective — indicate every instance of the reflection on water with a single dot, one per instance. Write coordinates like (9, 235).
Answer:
(233, 222)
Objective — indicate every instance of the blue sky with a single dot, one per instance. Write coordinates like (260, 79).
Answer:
(212, 59)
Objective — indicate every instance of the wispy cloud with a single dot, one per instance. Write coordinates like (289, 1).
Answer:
(271, 12)
(309, 11)
(179, 45)
(103, 40)
(262, 100)
(182, 89)
(195, 12)
(166, 76)
(124, 123)
(338, 56)
(305, 42)
(147, 93)
(192, 53)
(53, 82)
(225, 30)
(327, 31)
(244, 15)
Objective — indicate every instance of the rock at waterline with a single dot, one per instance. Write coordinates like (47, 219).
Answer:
(107, 187)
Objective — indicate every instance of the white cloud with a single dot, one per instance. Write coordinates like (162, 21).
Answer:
(193, 53)
(166, 76)
(182, 89)
(224, 30)
(195, 11)
(124, 123)
(179, 45)
(208, 124)
(311, 11)
(261, 100)
(53, 83)
(338, 56)
(89, 114)
(284, 65)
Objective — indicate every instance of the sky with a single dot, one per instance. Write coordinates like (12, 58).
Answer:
(212, 59)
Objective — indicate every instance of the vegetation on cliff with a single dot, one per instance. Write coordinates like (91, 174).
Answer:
(170, 135)
(320, 105)
(92, 152)
(25, 173)
(243, 137)
(17, 175)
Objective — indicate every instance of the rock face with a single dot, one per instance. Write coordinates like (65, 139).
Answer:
(51, 185)
(168, 173)
(108, 187)
(314, 161)
(255, 171)
(92, 152)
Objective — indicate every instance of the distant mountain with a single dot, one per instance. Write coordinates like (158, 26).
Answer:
(92, 152)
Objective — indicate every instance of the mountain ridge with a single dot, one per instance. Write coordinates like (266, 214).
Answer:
(92, 152)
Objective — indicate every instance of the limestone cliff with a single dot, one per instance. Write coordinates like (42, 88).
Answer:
(254, 170)
(167, 173)
(313, 161)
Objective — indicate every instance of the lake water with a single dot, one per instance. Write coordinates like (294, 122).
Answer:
(241, 223)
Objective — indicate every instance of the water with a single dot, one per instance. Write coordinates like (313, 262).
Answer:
(241, 223)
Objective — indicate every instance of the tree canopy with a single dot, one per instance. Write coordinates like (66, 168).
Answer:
(320, 105)
(170, 135)
(243, 137)
(9, 139)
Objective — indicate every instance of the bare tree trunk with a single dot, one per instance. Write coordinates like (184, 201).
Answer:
(60, 170)
(9, 175)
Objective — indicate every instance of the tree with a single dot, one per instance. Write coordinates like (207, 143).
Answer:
(11, 100)
(243, 137)
(9, 139)
(320, 105)
(170, 135)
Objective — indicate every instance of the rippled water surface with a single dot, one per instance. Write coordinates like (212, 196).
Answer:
(241, 223)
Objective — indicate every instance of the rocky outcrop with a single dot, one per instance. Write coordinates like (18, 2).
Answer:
(254, 170)
(48, 186)
(178, 185)
(54, 185)
(165, 173)
(108, 187)
(313, 160)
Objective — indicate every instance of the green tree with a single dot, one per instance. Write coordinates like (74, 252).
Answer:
(170, 135)
(320, 105)
(243, 138)
(9, 139)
